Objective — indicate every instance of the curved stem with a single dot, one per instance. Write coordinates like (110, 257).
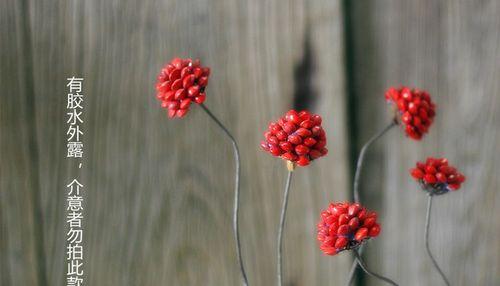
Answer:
(361, 157)
(282, 226)
(236, 193)
(427, 224)
(354, 266)
(363, 266)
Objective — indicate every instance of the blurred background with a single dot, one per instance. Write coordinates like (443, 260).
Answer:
(159, 192)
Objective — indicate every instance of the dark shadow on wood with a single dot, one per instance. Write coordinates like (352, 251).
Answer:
(304, 94)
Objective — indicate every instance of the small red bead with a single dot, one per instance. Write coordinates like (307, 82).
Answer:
(374, 231)
(430, 179)
(417, 173)
(361, 234)
(341, 243)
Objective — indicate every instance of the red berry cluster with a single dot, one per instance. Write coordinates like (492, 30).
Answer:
(436, 176)
(179, 83)
(345, 226)
(297, 137)
(416, 109)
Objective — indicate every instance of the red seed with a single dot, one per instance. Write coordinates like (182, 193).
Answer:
(171, 113)
(430, 170)
(281, 135)
(430, 179)
(292, 116)
(314, 154)
(343, 230)
(341, 243)
(303, 161)
(301, 149)
(203, 81)
(273, 140)
(275, 150)
(188, 81)
(330, 219)
(193, 91)
(289, 156)
(287, 146)
(289, 127)
(198, 72)
(316, 119)
(361, 234)
(200, 98)
(294, 139)
(333, 228)
(338, 210)
(354, 209)
(369, 222)
(406, 118)
(308, 124)
(264, 145)
(320, 145)
(354, 223)
(176, 84)
(374, 231)
(417, 173)
(180, 94)
(316, 130)
(343, 219)
(302, 132)
(309, 141)
(181, 112)
(173, 105)
(185, 103)
(441, 177)
(362, 214)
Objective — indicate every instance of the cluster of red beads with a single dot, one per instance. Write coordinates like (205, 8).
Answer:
(437, 176)
(179, 83)
(416, 109)
(297, 137)
(345, 226)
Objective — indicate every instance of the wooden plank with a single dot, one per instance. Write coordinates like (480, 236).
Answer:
(20, 240)
(159, 192)
(451, 49)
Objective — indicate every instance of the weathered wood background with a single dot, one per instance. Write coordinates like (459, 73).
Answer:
(159, 192)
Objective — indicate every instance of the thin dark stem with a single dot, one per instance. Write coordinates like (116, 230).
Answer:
(282, 226)
(427, 225)
(361, 157)
(363, 266)
(236, 193)
(354, 266)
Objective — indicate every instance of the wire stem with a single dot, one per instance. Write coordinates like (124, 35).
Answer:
(354, 266)
(427, 225)
(236, 193)
(282, 226)
(361, 157)
(363, 266)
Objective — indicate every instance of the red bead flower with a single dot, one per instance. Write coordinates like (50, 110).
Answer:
(179, 83)
(436, 176)
(415, 109)
(345, 226)
(297, 137)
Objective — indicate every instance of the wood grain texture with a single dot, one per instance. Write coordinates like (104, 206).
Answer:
(451, 49)
(158, 191)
